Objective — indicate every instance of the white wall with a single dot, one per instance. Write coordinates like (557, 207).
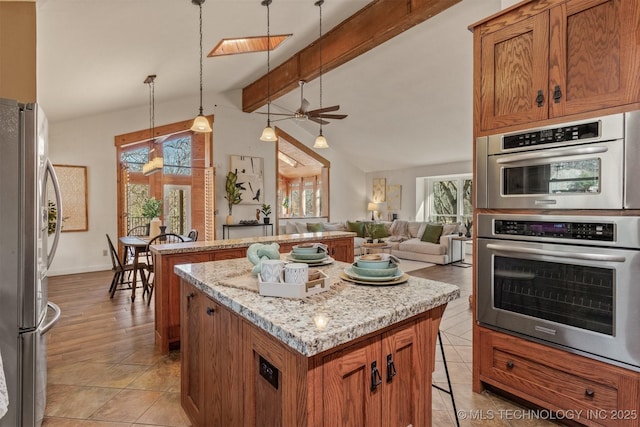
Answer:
(411, 182)
(89, 141)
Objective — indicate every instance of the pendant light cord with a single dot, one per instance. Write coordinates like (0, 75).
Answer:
(267, 3)
(200, 7)
(319, 3)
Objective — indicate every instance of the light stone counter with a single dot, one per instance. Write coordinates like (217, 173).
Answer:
(318, 323)
(204, 246)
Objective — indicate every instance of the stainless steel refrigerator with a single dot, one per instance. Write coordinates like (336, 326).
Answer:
(25, 256)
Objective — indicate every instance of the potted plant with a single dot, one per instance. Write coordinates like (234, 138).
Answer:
(285, 205)
(266, 211)
(152, 209)
(233, 193)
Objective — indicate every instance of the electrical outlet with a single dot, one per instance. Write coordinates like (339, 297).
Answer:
(104, 252)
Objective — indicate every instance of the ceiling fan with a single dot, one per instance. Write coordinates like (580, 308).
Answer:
(319, 115)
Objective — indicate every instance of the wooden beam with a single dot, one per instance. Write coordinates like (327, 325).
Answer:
(371, 26)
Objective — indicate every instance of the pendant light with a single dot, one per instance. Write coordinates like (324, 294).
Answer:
(200, 123)
(321, 141)
(156, 162)
(268, 134)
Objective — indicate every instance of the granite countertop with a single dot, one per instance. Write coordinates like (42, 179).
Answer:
(203, 246)
(321, 322)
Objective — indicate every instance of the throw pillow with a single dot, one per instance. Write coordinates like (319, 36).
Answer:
(450, 228)
(378, 231)
(314, 227)
(290, 228)
(432, 233)
(356, 227)
(336, 226)
(301, 227)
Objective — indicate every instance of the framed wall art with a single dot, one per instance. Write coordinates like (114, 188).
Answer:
(394, 198)
(379, 187)
(73, 188)
(250, 172)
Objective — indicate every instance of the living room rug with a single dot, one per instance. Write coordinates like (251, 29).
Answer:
(408, 265)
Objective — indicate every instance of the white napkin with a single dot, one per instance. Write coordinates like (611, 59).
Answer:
(4, 397)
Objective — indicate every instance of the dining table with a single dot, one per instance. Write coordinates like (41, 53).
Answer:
(139, 246)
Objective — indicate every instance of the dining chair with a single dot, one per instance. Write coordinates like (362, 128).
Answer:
(140, 230)
(193, 235)
(160, 239)
(120, 270)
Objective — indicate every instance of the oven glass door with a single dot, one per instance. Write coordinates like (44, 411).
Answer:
(585, 176)
(584, 299)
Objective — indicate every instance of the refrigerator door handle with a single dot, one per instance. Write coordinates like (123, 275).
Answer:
(56, 188)
(56, 316)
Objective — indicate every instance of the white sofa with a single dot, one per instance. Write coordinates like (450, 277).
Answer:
(404, 238)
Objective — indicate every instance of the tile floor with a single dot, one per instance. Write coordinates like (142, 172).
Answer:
(133, 385)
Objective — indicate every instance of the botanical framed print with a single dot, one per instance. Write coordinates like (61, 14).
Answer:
(379, 187)
(250, 172)
(394, 197)
(73, 188)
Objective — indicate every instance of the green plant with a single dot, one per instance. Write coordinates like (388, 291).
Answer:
(285, 202)
(266, 209)
(234, 196)
(151, 208)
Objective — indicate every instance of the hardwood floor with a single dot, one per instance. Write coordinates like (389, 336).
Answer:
(104, 369)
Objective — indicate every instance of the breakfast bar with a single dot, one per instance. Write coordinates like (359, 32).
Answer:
(353, 355)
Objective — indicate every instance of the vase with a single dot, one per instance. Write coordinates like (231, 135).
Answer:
(229, 219)
(266, 220)
(154, 228)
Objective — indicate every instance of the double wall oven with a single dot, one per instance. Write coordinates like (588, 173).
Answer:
(558, 255)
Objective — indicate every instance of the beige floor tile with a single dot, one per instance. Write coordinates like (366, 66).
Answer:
(166, 411)
(162, 376)
(71, 401)
(126, 406)
(117, 376)
(69, 422)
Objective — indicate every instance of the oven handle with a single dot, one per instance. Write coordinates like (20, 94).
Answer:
(581, 256)
(552, 153)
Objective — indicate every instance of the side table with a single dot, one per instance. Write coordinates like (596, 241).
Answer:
(368, 248)
(462, 240)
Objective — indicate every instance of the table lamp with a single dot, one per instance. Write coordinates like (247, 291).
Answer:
(372, 207)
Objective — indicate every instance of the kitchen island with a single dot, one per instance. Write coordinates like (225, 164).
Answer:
(167, 284)
(354, 355)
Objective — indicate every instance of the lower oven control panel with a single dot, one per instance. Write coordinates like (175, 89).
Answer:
(557, 229)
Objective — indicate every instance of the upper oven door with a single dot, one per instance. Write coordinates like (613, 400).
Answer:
(587, 176)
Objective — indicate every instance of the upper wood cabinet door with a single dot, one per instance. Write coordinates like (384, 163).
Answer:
(594, 55)
(514, 73)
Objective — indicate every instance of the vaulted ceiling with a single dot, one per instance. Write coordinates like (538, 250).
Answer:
(408, 100)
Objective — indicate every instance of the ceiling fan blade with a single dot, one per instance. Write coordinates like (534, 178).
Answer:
(330, 116)
(274, 114)
(304, 105)
(284, 118)
(324, 110)
(319, 121)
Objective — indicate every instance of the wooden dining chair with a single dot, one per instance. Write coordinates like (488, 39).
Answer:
(140, 230)
(120, 270)
(160, 239)
(193, 235)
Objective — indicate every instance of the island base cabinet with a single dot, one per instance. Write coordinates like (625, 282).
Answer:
(236, 374)
(210, 389)
(594, 393)
(384, 381)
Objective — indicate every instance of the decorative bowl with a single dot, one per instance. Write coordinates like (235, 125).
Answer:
(306, 249)
(375, 272)
(308, 256)
(372, 261)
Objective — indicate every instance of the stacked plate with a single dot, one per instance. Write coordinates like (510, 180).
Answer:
(313, 254)
(374, 269)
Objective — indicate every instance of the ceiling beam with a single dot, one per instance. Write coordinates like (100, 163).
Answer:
(371, 26)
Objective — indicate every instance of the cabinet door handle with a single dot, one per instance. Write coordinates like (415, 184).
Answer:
(210, 311)
(557, 94)
(589, 393)
(540, 99)
(510, 364)
(391, 368)
(190, 296)
(376, 378)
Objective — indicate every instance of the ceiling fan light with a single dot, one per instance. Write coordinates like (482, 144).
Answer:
(201, 124)
(268, 134)
(321, 142)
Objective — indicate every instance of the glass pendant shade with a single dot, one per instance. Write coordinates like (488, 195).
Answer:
(201, 124)
(268, 134)
(321, 142)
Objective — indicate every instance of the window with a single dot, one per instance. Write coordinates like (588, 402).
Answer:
(449, 199)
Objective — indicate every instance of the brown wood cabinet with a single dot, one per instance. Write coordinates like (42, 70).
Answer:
(556, 58)
(380, 382)
(167, 283)
(234, 373)
(210, 365)
(603, 395)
